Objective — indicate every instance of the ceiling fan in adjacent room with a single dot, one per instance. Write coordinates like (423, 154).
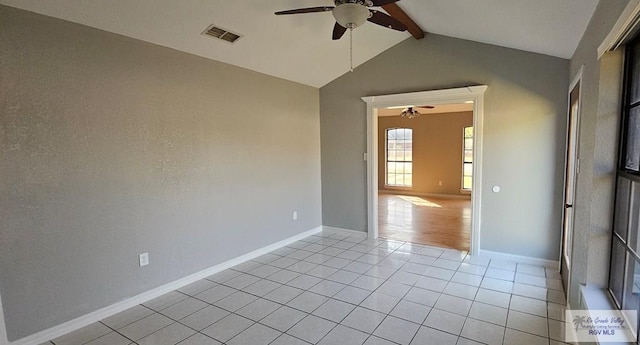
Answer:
(411, 112)
(350, 14)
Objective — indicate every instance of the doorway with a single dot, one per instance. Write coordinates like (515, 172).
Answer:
(425, 174)
(571, 170)
(474, 94)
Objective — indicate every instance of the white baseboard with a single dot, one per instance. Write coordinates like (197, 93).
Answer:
(346, 232)
(518, 258)
(123, 305)
(433, 195)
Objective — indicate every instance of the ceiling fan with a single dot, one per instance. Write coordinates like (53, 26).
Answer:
(350, 14)
(412, 113)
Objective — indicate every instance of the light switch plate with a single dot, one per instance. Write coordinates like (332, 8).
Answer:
(144, 259)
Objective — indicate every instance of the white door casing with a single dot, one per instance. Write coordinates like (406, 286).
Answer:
(574, 100)
(473, 94)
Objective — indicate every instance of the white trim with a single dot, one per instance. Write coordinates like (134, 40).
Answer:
(621, 30)
(529, 260)
(113, 309)
(458, 95)
(594, 298)
(372, 170)
(577, 78)
(342, 231)
(574, 82)
(466, 196)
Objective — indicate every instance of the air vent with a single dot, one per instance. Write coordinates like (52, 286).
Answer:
(220, 33)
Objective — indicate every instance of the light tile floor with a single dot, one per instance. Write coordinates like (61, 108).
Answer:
(335, 289)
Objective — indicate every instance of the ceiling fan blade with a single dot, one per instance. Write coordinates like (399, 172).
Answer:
(382, 2)
(338, 31)
(425, 106)
(306, 10)
(385, 20)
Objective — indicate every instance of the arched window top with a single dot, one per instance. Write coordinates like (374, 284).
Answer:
(400, 133)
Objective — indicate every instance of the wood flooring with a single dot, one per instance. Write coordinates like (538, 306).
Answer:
(426, 220)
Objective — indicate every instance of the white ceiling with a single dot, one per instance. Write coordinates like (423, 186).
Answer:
(299, 47)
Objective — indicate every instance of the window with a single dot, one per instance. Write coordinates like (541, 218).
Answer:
(399, 157)
(624, 273)
(467, 158)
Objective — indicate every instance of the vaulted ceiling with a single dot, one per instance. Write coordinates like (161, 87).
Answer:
(299, 47)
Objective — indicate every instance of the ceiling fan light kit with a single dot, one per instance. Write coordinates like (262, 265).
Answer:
(351, 16)
(410, 113)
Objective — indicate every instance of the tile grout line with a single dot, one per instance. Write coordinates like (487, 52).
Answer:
(347, 246)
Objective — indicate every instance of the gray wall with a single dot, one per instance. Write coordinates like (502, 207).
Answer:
(601, 80)
(112, 147)
(525, 124)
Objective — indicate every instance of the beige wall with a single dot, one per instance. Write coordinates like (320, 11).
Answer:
(110, 147)
(437, 151)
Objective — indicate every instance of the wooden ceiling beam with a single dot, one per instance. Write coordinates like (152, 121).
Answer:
(396, 12)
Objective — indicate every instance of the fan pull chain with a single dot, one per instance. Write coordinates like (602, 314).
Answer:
(351, 48)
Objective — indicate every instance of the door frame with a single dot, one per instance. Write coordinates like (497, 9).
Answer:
(473, 94)
(564, 260)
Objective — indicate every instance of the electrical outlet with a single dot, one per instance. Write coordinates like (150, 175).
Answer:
(295, 215)
(440, 183)
(144, 259)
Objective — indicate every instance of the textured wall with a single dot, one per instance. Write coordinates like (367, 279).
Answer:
(524, 131)
(601, 80)
(437, 151)
(112, 147)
